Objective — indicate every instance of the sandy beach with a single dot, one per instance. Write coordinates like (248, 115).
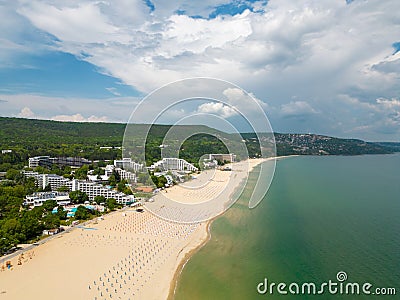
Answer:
(128, 255)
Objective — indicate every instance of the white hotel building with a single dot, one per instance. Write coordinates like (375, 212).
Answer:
(43, 180)
(128, 164)
(90, 188)
(109, 169)
(173, 164)
(37, 199)
(94, 189)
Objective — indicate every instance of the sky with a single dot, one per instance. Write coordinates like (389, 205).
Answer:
(325, 67)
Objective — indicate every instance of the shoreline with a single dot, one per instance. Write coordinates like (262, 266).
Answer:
(191, 253)
(181, 265)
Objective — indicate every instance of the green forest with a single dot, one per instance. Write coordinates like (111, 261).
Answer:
(27, 138)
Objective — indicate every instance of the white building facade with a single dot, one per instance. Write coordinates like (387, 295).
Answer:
(37, 199)
(92, 189)
(173, 164)
(128, 164)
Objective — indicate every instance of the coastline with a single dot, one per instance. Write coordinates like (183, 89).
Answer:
(181, 265)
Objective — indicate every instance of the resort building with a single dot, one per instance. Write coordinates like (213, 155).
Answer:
(222, 157)
(43, 180)
(128, 164)
(71, 161)
(109, 169)
(126, 175)
(92, 189)
(47, 161)
(37, 199)
(173, 164)
(43, 161)
(6, 151)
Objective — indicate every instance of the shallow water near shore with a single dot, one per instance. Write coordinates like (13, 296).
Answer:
(321, 215)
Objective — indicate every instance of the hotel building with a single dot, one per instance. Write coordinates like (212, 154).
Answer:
(128, 164)
(90, 188)
(47, 161)
(173, 164)
(37, 199)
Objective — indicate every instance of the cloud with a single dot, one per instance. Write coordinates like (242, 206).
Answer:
(3, 101)
(217, 108)
(113, 91)
(26, 112)
(379, 118)
(297, 108)
(79, 118)
(80, 23)
(64, 108)
(321, 51)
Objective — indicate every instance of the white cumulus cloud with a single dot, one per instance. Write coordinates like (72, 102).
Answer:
(26, 112)
(79, 118)
(217, 108)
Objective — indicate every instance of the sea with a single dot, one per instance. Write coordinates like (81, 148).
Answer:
(325, 220)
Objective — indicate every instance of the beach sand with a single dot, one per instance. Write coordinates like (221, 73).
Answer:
(128, 255)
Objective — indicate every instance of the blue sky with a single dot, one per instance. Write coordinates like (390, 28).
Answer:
(61, 74)
(328, 67)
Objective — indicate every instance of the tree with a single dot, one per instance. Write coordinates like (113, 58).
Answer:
(99, 199)
(101, 163)
(48, 205)
(78, 197)
(82, 213)
(98, 171)
(31, 226)
(127, 191)
(61, 213)
(51, 221)
(81, 173)
(12, 174)
(111, 203)
(47, 188)
(159, 181)
(121, 186)
(112, 180)
(40, 170)
(30, 185)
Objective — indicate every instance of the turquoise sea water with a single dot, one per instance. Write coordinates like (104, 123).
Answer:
(321, 215)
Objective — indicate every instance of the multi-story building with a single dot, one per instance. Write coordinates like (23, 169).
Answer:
(43, 180)
(92, 189)
(37, 199)
(43, 161)
(131, 177)
(173, 164)
(71, 161)
(47, 161)
(109, 169)
(128, 164)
